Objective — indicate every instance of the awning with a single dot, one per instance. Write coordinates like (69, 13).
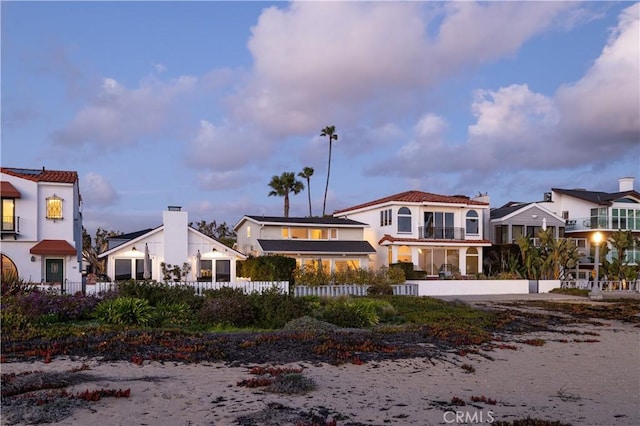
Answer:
(9, 191)
(53, 247)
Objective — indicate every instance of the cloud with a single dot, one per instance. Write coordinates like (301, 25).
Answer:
(97, 191)
(118, 116)
(591, 121)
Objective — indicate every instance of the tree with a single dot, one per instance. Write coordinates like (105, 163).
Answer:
(283, 185)
(621, 241)
(329, 132)
(306, 173)
(91, 252)
(221, 232)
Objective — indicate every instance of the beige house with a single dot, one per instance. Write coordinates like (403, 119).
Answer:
(334, 243)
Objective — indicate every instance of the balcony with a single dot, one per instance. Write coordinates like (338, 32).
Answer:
(602, 222)
(436, 233)
(10, 226)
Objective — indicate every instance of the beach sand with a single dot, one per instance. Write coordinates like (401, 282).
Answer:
(571, 378)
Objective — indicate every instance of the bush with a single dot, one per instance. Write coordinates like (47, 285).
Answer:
(274, 309)
(268, 268)
(44, 307)
(171, 313)
(226, 306)
(158, 294)
(355, 313)
(125, 311)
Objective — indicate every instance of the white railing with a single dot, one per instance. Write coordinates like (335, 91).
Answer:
(350, 290)
(199, 287)
(605, 285)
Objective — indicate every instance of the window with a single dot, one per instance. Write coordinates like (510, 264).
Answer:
(299, 233)
(404, 254)
(404, 219)
(8, 214)
(385, 217)
(206, 270)
(438, 225)
(320, 234)
(333, 232)
(517, 231)
(9, 269)
(472, 260)
(248, 231)
(223, 271)
(54, 207)
(140, 269)
(565, 214)
(625, 219)
(123, 269)
(433, 259)
(472, 222)
(347, 264)
(285, 233)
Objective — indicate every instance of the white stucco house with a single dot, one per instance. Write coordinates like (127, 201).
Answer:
(41, 225)
(334, 243)
(434, 232)
(173, 243)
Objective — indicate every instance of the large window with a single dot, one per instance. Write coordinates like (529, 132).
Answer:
(9, 269)
(438, 225)
(517, 231)
(433, 259)
(54, 208)
(404, 219)
(404, 254)
(206, 270)
(299, 233)
(346, 264)
(123, 269)
(472, 261)
(472, 222)
(223, 271)
(140, 269)
(625, 219)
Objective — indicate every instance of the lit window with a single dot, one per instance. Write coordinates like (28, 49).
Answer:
(248, 231)
(54, 207)
(285, 233)
(300, 233)
(334, 233)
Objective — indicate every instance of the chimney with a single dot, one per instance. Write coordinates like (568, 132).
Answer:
(625, 184)
(176, 223)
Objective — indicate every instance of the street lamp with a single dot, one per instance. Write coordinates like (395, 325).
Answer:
(595, 290)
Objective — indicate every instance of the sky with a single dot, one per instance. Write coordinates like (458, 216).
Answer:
(198, 104)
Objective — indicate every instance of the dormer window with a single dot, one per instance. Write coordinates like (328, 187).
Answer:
(54, 207)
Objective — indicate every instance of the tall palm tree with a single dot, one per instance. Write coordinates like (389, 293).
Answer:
(283, 185)
(306, 173)
(330, 132)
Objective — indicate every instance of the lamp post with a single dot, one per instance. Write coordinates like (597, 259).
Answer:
(595, 290)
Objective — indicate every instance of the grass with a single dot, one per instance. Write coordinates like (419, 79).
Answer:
(571, 291)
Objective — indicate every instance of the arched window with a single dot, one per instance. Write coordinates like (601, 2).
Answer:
(9, 270)
(404, 254)
(472, 261)
(404, 219)
(472, 222)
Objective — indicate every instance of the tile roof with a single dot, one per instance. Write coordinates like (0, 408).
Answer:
(307, 220)
(316, 246)
(417, 197)
(392, 239)
(9, 191)
(53, 247)
(597, 197)
(42, 175)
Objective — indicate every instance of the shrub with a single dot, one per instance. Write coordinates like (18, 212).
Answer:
(125, 311)
(291, 384)
(158, 294)
(44, 307)
(226, 306)
(274, 309)
(308, 323)
(349, 312)
(268, 268)
(171, 313)
(12, 285)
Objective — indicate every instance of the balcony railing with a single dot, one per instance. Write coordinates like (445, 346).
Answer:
(601, 222)
(10, 225)
(436, 233)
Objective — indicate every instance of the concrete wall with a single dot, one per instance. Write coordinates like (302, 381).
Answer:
(470, 287)
(545, 286)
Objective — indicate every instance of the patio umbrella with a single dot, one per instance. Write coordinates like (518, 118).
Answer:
(147, 263)
(198, 265)
(544, 223)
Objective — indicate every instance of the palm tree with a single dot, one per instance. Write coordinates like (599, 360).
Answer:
(306, 173)
(330, 132)
(283, 185)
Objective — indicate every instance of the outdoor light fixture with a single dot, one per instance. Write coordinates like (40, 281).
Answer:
(595, 290)
(134, 248)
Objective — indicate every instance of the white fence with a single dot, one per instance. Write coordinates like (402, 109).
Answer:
(350, 290)
(470, 287)
(199, 287)
(605, 285)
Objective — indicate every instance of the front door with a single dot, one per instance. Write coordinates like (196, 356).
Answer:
(54, 272)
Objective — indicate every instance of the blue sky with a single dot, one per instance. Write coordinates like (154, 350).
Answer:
(199, 104)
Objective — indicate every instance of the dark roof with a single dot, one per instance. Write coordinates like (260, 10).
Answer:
(316, 246)
(597, 197)
(507, 209)
(130, 235)
(307, 220)
(417, 197)
(42, 175)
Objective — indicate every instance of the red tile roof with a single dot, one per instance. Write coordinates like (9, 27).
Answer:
(392, 239)
(53, 247)
(417, 197)
(42, 175)
(9, 191)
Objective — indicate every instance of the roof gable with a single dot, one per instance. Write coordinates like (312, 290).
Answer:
(416, 197)
(597, 197)
(301, 221)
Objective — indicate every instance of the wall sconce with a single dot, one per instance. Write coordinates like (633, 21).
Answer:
(33, 258)
(214, 249)
(134, 248)
(535, 216)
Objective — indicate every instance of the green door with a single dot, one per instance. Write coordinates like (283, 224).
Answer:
(54, 272)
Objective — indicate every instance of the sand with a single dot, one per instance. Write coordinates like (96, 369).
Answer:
(571, 378)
